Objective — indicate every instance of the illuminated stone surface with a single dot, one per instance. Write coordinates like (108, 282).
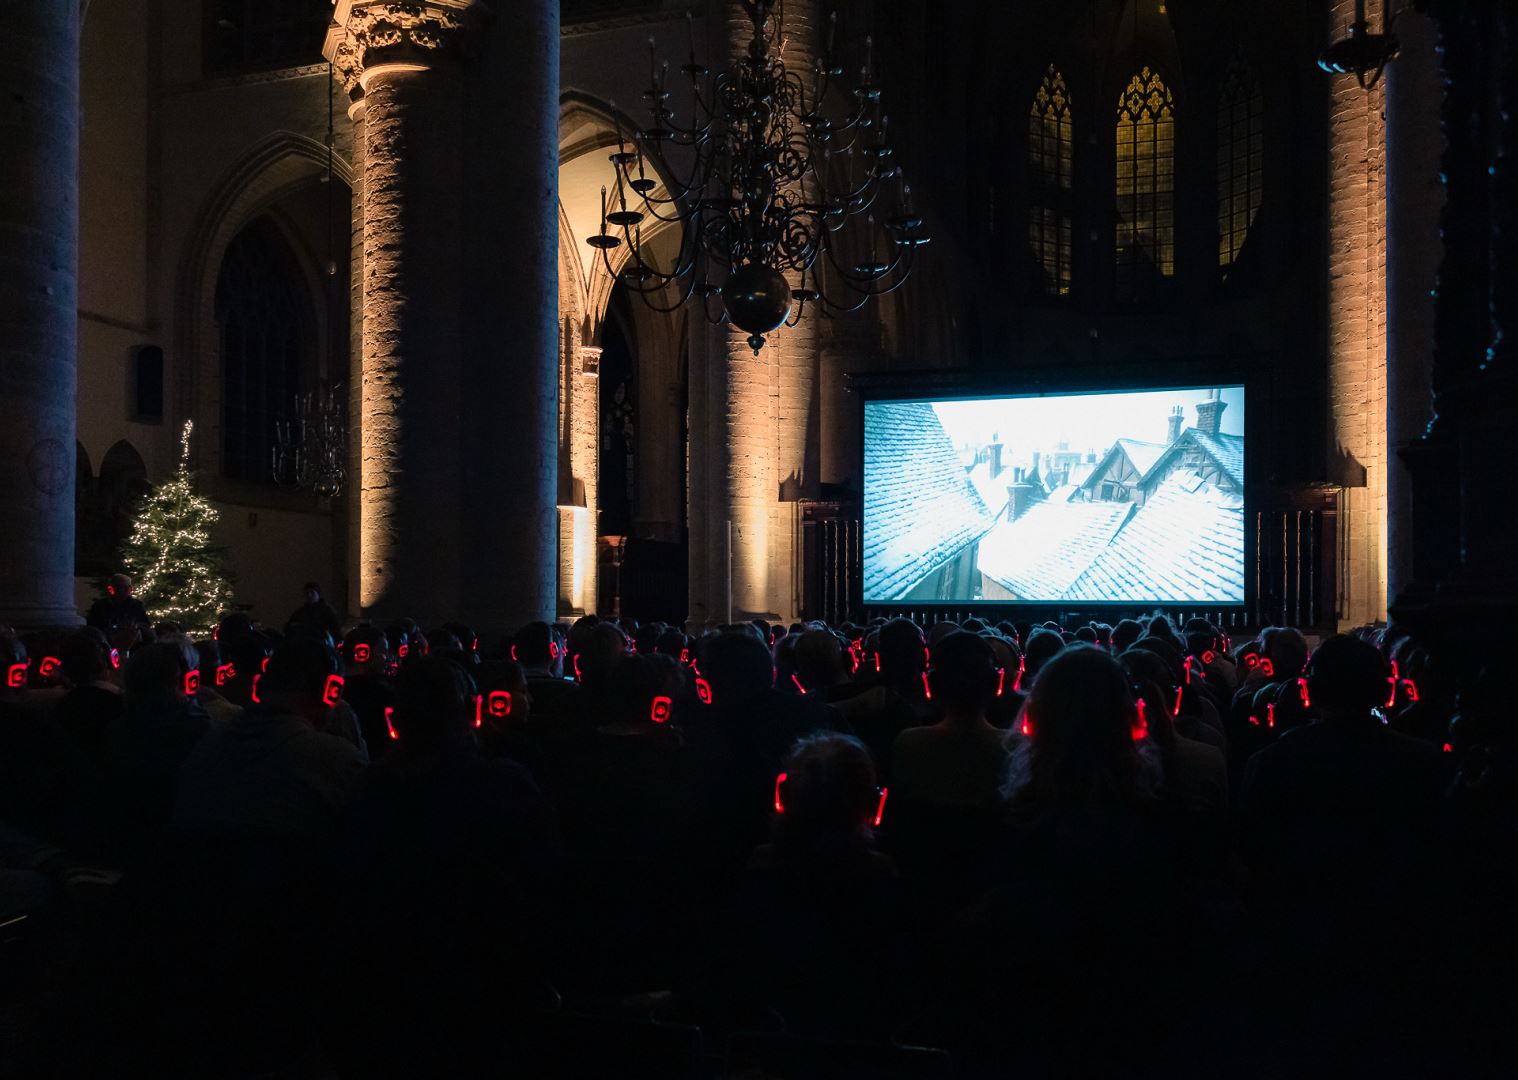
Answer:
(1357, 334)
(767, 406)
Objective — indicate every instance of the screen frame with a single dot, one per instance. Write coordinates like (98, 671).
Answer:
(956, 385)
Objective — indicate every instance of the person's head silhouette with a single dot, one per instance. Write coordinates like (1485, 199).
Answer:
(1347, 678)
(1084, 720)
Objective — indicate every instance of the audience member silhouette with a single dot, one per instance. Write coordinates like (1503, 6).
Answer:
(615, 816)
(273, 772)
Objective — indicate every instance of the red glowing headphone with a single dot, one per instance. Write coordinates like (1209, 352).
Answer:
(498, 703)
(360, 653)
(659, 708)
(15, 674)
(879, 806)
(332, 690)
(1001, 681)
(225, 673)
(1270, 716)
(47, 667)
(1138, 729)
(703, 691)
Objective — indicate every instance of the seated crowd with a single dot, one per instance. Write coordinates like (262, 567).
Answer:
(1084, 850)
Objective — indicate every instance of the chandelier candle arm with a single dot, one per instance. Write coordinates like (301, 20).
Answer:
(764, 200)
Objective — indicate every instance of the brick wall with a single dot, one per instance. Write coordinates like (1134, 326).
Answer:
(1357, 328)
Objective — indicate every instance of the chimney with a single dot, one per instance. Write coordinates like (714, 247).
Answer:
(1020, 496)
(1034, 470)
(1209, 414)
(1177, 418)
(995, 451)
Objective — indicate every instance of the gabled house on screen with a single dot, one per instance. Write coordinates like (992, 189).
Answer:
(1158, 520)
(1119, 476)
(924, 518)
(1186, 540)
(1132, 470)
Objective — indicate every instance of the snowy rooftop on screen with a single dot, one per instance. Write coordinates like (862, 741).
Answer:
(920, 508)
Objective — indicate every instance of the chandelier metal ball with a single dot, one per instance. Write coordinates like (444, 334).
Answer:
(757, 299)
(781, 181)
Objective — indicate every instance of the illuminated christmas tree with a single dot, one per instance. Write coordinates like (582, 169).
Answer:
(177, 572)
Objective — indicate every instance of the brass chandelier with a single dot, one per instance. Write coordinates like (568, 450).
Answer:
(784, 186)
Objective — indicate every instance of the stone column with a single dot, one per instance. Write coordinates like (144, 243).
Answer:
(578, 514)
(511, 363)
(404, 60)
(766, 413)
(356, 116)
(1357, 331)
(39, 261)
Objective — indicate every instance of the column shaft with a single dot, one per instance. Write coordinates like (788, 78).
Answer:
(511, 362)
(1357, 331)
(767, 412)
(356, 115)
(39, 261)
(411, 529)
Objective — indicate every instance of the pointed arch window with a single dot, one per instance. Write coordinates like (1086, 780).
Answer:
(267, 329)
(1145, 204)
(1051, 155)
(1241, 160)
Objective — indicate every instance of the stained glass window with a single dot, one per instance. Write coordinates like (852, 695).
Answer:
(1050, 159)
(1241, 160)
(267, 331)
(1145, 241)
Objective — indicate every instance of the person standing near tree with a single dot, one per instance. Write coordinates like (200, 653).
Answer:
(317, 614)
(118, 607)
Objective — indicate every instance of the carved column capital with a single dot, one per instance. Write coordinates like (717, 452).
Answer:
(420, 33)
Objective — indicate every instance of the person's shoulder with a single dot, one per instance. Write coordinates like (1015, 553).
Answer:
(331, 749)
(1199, 751)
(552, 683)
(917, 735)
(1413, 750)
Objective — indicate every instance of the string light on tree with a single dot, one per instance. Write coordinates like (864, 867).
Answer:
(178, 573)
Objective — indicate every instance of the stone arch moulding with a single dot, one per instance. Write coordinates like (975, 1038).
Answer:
(589, 125)
(265, 173)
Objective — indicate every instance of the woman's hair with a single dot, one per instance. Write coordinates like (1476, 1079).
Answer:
(434, 702)
(1287, 649)
(1041, 647)
(1149, 680)
(1081, 716)
(828, 792)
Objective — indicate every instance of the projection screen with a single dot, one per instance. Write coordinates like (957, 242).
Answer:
(1100, 497)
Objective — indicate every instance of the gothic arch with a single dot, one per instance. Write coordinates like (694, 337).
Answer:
(103, 508)
(588, 134)
(268, 171)
(588, 129)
